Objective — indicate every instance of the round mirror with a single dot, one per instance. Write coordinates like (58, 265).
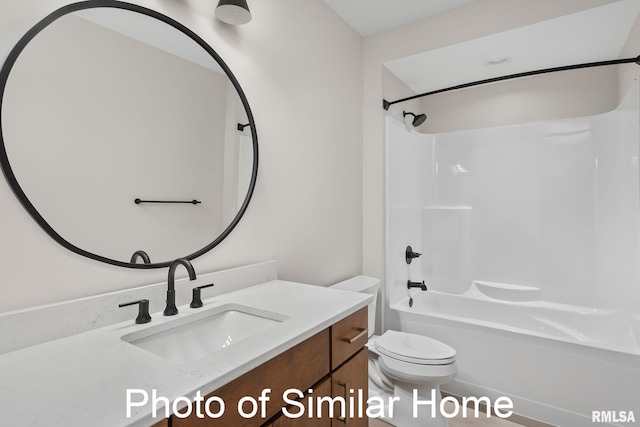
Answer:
(123, 131)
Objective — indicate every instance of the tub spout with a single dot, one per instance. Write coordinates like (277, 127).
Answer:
(420, 285)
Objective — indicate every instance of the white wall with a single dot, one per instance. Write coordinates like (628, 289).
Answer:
(629, 74)
(302, 78)
(562, 95)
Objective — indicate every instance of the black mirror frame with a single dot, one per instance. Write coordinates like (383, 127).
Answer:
(4, 160)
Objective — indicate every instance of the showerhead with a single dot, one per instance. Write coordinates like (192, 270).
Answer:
(418, 119)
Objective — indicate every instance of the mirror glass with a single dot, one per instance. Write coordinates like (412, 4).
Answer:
(105, 105)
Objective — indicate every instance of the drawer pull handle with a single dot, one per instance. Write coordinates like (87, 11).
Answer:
(346, 392)
(362, 332)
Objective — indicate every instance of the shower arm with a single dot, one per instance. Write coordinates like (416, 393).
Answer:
(386, 104)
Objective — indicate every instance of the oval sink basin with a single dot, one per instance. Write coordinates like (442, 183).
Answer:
(201, 334)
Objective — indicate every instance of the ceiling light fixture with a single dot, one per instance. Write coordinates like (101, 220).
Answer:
(234, 12)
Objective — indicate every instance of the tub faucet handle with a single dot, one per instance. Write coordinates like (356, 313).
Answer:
(409, 254)
(420, 285)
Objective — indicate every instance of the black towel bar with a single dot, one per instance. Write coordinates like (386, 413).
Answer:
(193, 202)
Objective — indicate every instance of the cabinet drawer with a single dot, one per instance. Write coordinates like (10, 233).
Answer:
(300, 367)
(348, 336)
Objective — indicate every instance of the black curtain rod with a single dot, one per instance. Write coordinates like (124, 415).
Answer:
(386, 104)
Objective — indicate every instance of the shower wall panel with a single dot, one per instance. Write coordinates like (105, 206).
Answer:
(552, 205)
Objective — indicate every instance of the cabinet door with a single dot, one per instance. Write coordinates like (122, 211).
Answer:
(321, 389)
(348, 336)
(300, 368)
(351, 382)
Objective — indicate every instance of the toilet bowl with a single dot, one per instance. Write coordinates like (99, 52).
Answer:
(405, 368)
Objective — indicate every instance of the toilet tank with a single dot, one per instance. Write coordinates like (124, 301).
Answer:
(367, 285)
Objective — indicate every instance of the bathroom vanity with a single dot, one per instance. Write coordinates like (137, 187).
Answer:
(313, 340)
(330, 363)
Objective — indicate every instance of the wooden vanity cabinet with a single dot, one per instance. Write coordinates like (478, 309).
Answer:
(329, 363)
(321, 389)
(348, 336)
(299, 367)
(349, 382)
(349, 366)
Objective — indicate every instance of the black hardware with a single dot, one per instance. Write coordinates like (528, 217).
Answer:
(241, 126)
(193, 202)
(143, 310)
(142, 255)
(418, 119)
(420, 285)
(196, 301)
(171, 308)
(386, 104)
(409, 255)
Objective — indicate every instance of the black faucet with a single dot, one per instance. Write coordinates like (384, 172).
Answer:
(420, 285)
(143, 310)
(171, 308)
(196, 300)
(142, 255)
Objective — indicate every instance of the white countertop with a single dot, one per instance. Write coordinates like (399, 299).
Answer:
(82, 380)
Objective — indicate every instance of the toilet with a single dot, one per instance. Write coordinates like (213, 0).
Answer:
(400, 362)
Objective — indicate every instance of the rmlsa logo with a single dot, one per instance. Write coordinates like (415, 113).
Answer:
(612, 417)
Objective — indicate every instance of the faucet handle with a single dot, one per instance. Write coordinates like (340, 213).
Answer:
(196, 301)
(409, 254)
(143, 310)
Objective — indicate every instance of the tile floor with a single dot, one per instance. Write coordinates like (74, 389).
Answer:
(463, 422)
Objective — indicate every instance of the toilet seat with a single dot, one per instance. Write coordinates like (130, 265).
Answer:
(415, 349)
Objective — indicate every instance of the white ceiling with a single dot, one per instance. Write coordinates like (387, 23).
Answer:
(592, 35)
(369, 17)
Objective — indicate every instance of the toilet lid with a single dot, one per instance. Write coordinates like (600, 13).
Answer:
(414, 348)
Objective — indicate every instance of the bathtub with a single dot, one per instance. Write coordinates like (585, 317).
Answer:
(558, 363)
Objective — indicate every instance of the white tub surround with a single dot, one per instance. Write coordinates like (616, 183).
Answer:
(554, 371)
(82, 379)
(612, 330)
(530, 242)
